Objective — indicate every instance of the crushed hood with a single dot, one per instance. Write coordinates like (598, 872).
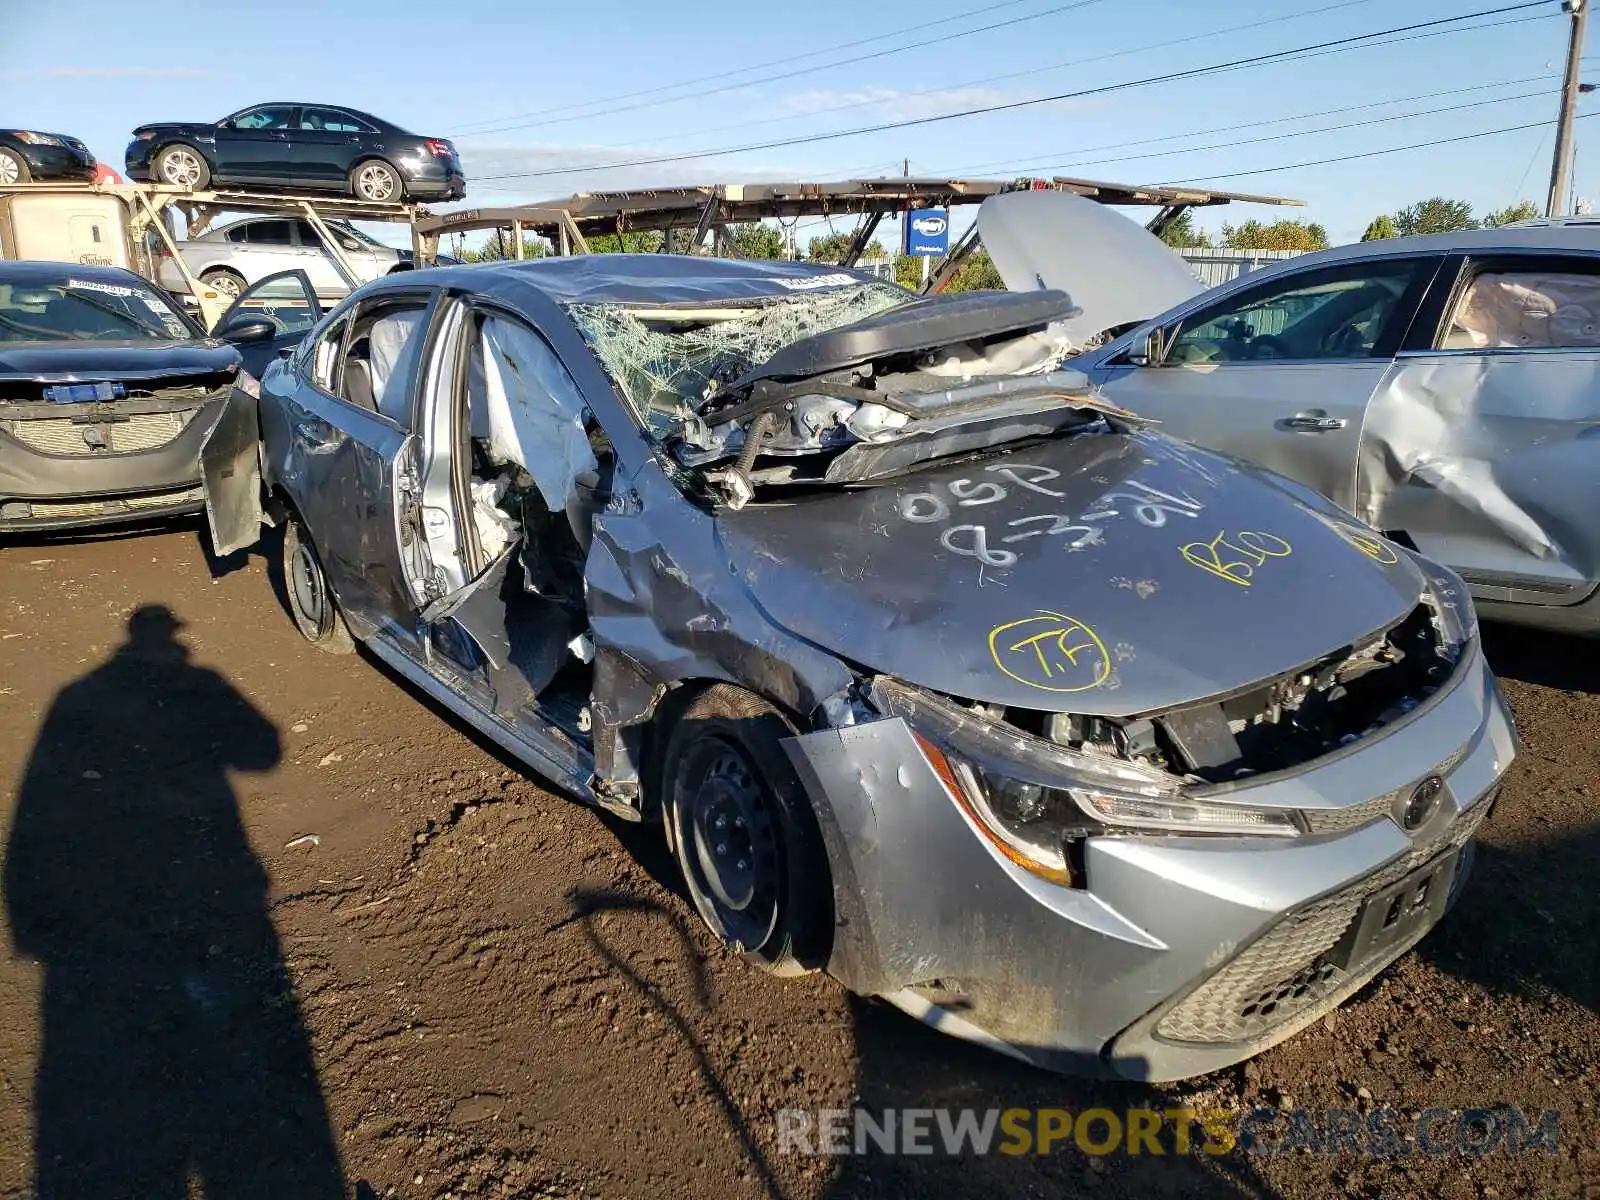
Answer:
(90, 362)
(1110, 574)
(1114, 270)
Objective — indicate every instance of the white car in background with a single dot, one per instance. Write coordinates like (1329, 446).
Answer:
(231, 257)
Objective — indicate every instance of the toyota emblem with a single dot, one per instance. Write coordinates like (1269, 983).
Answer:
(1423, 804)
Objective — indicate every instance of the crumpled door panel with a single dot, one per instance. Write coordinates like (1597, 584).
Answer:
(1487, 461)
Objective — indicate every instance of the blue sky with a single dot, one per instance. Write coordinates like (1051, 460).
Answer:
(489, 73)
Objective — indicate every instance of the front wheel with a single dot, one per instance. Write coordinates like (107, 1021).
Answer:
(311, 602)
(376, 180)
(13, 168)
(744, 834)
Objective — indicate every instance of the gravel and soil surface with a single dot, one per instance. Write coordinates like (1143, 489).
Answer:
(276, 926)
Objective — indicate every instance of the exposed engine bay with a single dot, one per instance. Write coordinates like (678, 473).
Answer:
(1280, 724)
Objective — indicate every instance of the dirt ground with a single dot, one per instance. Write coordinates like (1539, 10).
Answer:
(276, 926)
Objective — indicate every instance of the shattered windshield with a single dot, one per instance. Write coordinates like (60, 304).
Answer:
(664, 359)
(840, 386)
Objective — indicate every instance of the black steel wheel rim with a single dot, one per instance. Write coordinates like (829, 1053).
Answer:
(730, 842)
(308, 588)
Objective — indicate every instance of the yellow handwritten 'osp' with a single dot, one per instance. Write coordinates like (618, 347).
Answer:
(1050, 651)
(1236, 559)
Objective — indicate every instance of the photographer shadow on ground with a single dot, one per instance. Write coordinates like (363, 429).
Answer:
(173, 1057)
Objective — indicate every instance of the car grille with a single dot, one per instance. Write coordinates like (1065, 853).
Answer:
(1282, 977)
(142, 431)
(66, 510)
(1354, 816)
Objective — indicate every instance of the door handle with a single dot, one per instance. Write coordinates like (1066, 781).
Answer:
(1309, 424)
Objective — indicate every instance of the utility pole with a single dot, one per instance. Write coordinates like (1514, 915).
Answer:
(1561, 165)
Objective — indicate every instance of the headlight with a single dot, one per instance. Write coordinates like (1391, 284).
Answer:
(37, 139)
(1027, 796)
(1451, 604)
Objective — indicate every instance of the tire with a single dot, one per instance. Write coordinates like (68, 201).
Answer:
(181, 166)
(741, 827)
(311, 602)
(13, 168)
(229, 283)
(376, 180)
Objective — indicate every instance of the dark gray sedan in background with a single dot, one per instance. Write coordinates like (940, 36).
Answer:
(940, 672)
(106, 391)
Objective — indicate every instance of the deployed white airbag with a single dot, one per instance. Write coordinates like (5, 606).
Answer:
(534, 411)
(388, 337)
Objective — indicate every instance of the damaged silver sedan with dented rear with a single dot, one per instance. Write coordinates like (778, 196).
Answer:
(941, 673)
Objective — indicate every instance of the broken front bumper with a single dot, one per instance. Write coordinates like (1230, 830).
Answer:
(1181, 954)
(68, 470)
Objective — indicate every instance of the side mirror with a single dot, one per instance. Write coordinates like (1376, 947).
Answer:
(246, 328)
(350, 243)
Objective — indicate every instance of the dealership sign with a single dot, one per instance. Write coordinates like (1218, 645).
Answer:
(928, 232)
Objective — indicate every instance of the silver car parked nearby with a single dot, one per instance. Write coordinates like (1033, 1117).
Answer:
(231, 257)
(941, 673)
(1445, 389)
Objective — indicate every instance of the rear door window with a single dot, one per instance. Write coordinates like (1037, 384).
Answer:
(270, 233)
(331, 120)
(1527, 305)
(326, 357)
(379, 362)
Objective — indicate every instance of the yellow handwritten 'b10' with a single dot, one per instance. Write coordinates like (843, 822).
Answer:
(1050, 651)
(1236, 558)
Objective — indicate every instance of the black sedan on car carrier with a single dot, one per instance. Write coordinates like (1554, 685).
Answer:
(319, 147)
(106, 392)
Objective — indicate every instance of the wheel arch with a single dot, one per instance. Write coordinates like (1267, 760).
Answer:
(386, 161)
(163, 146)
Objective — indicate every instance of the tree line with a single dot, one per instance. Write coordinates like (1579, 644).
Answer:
(756, 239)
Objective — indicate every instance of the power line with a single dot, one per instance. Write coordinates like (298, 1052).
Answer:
(1073, 63)
(1275, 137)
(1173, 137)
(775, 62)
(827, 66)
(1013, 105)
(1341, 158)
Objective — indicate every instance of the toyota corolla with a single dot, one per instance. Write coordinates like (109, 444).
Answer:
(940, 672)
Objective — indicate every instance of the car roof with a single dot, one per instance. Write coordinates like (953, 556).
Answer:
(34, 271)
(642, 278)
(1569, 235)
(344, 108)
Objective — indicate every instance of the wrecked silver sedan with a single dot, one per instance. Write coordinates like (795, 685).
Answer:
(941, 673)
